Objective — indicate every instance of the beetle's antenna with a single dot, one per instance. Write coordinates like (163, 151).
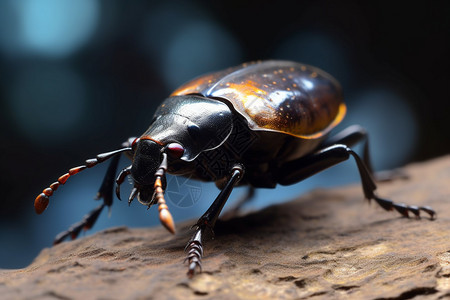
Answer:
(164, 215)
(41, 201)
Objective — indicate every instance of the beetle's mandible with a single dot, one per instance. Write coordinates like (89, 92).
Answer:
(258, 124)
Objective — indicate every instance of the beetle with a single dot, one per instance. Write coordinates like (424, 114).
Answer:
(258, 124)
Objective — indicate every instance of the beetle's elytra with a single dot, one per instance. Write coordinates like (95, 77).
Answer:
(258, 124)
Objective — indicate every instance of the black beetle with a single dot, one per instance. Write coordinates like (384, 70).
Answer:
(258, 124)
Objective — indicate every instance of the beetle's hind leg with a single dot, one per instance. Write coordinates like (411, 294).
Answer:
(351, 136)
(355, 134)
(302, 168)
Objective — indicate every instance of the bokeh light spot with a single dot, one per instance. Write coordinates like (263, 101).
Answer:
(197, 48)
(52, 28)
(183, 42)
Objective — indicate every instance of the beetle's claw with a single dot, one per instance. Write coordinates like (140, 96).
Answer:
(430, 211)
(118, 191)
(133, 194)
(404, 209)
(193, 267)
(120, 179)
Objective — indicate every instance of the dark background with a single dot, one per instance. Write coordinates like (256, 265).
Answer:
(79, 77)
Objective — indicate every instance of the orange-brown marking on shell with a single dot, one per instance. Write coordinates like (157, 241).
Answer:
(250, 98)
(253, 99)
(194, 86)
(339, 117)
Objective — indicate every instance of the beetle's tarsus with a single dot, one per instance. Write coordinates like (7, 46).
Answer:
(194, 251)
(86, 223)
(405, 209)
(195, 247)
(429, 210)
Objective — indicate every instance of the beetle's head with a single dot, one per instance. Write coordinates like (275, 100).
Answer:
(148, 159)
(148, 171)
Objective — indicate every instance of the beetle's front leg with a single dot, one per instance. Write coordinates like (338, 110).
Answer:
(208, 220)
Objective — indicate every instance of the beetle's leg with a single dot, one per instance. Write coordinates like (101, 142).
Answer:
(350, 136)
(120, 179)
(86, 223)
(106, 189)
(195, 246)
(355, 134)
(302, 168)
(133, 194)
(105, 192)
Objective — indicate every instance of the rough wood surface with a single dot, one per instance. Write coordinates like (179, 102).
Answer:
(329, 244)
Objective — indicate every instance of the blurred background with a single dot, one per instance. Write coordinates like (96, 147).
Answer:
(77, 78)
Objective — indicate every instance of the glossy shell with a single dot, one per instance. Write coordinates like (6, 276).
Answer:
(281, 96)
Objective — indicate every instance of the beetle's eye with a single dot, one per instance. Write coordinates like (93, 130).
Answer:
(194, 131)
(175, 150)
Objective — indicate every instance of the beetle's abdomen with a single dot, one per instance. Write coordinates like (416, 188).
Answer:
(281, 96)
